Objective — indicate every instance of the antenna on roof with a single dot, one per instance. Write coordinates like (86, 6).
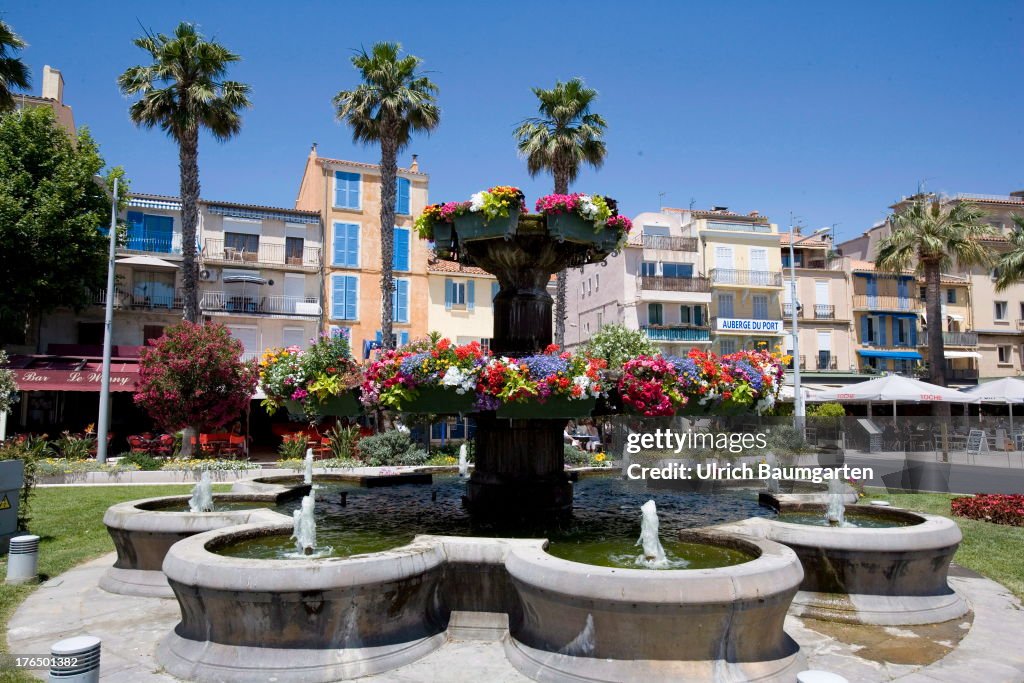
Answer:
(693, 201)
(661, 204)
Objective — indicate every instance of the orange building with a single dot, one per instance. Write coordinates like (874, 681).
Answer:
(347, 194)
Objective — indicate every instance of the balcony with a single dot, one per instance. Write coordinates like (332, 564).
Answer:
(874, 302)
(669, 243)
(961, 374)
(675, 284)
(954, 339)
(827, 362)
(214, 250)
(824, 312)
(1020, 325)
(123, 299)
(680, 333)
(793, 359)
(229, 302)
(787, 310)
(151, 245)
(746, 278)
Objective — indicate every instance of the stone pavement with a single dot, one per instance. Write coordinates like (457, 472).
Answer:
(73, 604)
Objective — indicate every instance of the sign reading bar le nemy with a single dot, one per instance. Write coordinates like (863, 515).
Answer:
(749, 325)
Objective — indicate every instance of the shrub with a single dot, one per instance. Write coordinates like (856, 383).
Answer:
(785, 438)
(73, 447)
(144, 461)
(31, 450)
(342, 442)
(8, 387)
(616, 344)
(576, 456)
(826, 410)
(997, 508)
(293, 446)
(390, 449)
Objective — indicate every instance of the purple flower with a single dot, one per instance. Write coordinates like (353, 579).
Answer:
(544, 365)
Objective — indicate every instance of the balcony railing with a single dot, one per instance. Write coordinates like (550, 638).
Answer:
(151, 245)
(753, 278)
(884, 302)
(961, 373)
(793, 360)
(824, 312)
(954, 339)
(1020, 325)
(787, 310)
(124, 299)
(670, 243)
(230, 302)
(739, 227)
(269, 254)
(681, 333)
(675, 284)
(828, 362)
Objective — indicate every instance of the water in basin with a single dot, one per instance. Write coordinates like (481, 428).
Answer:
(851, 520)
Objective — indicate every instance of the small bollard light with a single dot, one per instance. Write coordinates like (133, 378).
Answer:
(76, 660)
(815, 676)
(23, 559)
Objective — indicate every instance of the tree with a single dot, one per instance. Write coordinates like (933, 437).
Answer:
(1010, 267)
(183, 91)
(8, 385)
(393, 101)
(565, 136)
(13, 72)
(931, 235)
(194, 377)
(51, 253)
(616, 344)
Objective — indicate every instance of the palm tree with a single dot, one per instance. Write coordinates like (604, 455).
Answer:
(393, 101)
(13, 72)
(565, 136)
(1010, 267)
(183, 91)
(931, 235)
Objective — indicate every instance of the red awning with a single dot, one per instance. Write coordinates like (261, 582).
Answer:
(62, 373)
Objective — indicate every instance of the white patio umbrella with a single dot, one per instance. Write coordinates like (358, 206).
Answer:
(788, 393)
(1007, 390)
(896, 389)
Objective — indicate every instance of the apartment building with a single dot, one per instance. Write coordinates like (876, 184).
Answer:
(461, 302)
(886, 319)
(655, 284)
(348, 194)
(984, 337)
(52, 96)
(823, 305)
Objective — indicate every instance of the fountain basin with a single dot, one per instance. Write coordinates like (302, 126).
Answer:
(338, 618)
(885, 576)
(144, 530)
(582, 622)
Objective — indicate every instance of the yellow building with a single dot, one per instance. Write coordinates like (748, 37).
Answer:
(347, 194)
(461, 302)
(741, 255)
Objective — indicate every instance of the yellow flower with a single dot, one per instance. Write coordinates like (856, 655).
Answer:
(599, 457)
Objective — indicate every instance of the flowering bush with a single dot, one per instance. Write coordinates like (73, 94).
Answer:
(438, 213)
(539, 377)
(8, 386)
(997, 508)
(660, 386)
(194, 376)
(498, 201)
(308, 377)
(397, 375)
(206, 465)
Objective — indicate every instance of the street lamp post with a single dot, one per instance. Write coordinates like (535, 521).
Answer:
(798, 398)
(103, 424)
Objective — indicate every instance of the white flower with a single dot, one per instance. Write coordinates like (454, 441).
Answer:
(476, 202)
(462, 380)
(587, 208)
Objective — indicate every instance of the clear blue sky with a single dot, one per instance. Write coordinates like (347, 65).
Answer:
(826, 110)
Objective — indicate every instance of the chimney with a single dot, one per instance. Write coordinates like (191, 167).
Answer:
(754, 214)
(53, 84)
(312, 151)
(796, 230)
(415, 165)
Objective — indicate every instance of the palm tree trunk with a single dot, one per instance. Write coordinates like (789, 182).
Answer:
(388, 182)
(933, 300)
(188, 168)
(561, 187)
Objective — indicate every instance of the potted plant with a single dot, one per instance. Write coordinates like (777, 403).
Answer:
(491, 213)
(435, 224)
(428, 376)
(584, 219)
(322, 380)
(649, 386)
(550, 385)
(283, 380)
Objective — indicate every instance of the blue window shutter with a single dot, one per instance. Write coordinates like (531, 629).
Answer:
(354, 188)
(698, 315)
(882, 322)
(338, 244)
(403, 338)
(337, 297)
(400, 301)
(340, 189)
(380, 336)
(400, 259)
(136, 229)
(470, 295)
(913, 332)
(864, 330)
(402, 197)
(352, 246)
(346, 190)
(351, 282)
(448, 295)
(157, 231)
(495, 288)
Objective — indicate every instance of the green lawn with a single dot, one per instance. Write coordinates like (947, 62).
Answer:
(70, 524)
(994, 550)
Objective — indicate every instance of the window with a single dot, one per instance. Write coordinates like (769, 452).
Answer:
(335, 330)
(657, 230)
(293, 336)
(400, 258)
(400, 301)
(727, 346)
(1004, 354)
(759, 259)
(485, 344)
(346, 190)
(760, 302)
(590, 285)
(684, 314)
(346, 245)
(677, 269)
(152, 289)
(924, 293)
(242, 243)
(600, 320)
(901, 332)
(150, 233)
(151, 332)
(655, 315)
(495, 288)
(597, 282)
(344, 297)
(458, 294)
(293, 248)
(725, 305)
(90, 334)
(1000, 310)
(648, 268)
(950, 296)
(402, 197)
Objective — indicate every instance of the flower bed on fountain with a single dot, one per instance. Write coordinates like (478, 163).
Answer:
(144, 530)
(885, 566)
(322, 380)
